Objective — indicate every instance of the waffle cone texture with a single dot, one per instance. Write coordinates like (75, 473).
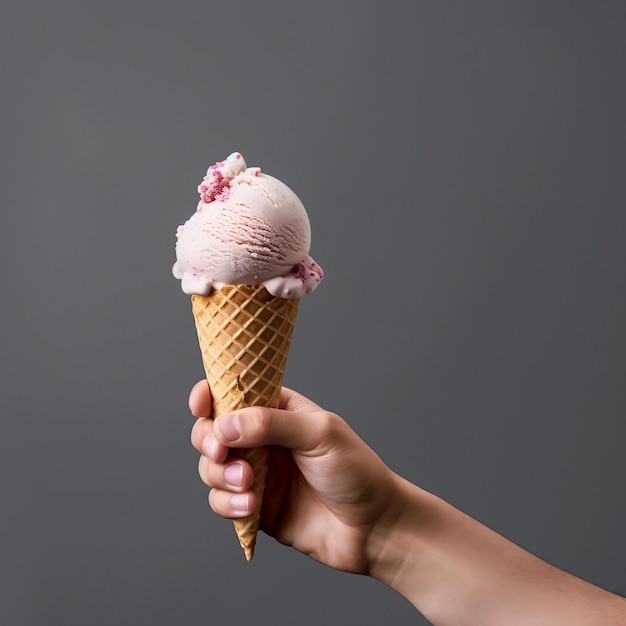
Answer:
(244, 334)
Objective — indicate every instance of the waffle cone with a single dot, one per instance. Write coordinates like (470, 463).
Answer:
(244, 334)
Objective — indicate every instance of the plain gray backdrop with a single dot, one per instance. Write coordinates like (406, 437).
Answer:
(463, 168)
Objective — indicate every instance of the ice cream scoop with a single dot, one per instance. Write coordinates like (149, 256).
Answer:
(248, 229)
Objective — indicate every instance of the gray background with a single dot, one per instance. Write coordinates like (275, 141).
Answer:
(463, 168)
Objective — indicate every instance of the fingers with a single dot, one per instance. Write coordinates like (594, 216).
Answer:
(299, 425)
(202, 439)
(235, 476)
(307, 430)
(262, 426)
(200, 403)
(230, 495)
(232, 505)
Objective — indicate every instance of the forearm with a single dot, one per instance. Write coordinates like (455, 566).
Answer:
(457, 572)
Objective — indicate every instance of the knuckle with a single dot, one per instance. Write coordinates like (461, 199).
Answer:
(330, 423)
(332, 430)
(260, 420)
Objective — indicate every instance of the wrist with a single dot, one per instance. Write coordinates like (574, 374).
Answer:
(399, 547)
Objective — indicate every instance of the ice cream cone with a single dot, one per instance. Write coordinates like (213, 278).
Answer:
(244, 334)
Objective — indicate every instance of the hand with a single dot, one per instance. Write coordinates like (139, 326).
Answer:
(327, 493)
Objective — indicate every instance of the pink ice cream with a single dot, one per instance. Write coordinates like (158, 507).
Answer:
(248, 229)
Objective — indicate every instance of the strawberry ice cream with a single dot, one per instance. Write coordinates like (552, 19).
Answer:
(248, 229)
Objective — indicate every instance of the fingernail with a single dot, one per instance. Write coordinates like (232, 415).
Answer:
(240, 502)
(229, 427)
(209, 446)
(233, 474)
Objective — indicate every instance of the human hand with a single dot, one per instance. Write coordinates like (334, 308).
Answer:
(327, 493)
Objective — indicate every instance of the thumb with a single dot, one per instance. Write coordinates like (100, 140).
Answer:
(307, 430)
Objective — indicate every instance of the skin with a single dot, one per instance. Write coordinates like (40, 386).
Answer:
(331, 497)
